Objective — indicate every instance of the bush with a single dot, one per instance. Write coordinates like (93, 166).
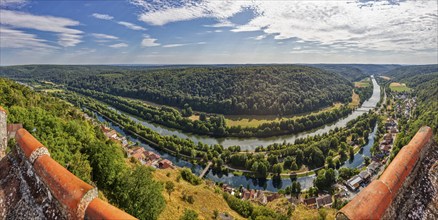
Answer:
(188, 176)
(189, 215)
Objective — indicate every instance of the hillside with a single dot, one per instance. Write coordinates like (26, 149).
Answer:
(255, 90)
(355, 72)
(410, 71)
(349, 72)
(203, 194)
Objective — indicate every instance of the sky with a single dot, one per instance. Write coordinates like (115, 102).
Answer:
(217, 32)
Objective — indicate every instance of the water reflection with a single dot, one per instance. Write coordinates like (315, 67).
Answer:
(252, 143)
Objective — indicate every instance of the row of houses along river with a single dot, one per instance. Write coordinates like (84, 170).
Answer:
(251, 143)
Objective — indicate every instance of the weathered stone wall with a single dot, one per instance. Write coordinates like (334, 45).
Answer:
(405, 189)
(3, 133)
(22, 194)
(418, 198)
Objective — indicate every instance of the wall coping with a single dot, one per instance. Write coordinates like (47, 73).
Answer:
(78, 198)
(373, 201)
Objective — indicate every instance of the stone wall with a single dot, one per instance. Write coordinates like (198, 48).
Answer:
(3, 133)
(383, 197)
(418, 198)
(34, 186)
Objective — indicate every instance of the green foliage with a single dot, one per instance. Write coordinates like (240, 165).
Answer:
(325, 179)
(270, 89)
(82, 149)
(346, 173)
(139, 194)
(189, 215)
(188, 176)
(170, 187)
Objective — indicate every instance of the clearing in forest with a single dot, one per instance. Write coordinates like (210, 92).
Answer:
(399, 87)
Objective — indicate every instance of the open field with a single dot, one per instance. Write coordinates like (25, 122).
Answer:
(399, 87)
(363, 83)
(355, 100)
(52, 90)
(255, 120)
(206, 200)
(385, 77)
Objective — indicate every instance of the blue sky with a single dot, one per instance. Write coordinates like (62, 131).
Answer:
(211, 32)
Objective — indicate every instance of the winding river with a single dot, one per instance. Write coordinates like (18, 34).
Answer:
(250, 144)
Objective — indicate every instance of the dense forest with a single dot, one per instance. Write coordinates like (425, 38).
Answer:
(255, 90)
(405, 72)
(355, 72)
(331, 148)
(83, 149)
(214, 125)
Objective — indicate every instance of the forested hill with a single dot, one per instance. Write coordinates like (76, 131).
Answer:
(271, 89)
(349, 72)
(356, 72)
(409, 71)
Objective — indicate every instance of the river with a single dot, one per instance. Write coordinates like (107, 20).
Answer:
(250, 143)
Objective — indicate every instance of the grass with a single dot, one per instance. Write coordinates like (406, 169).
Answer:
(399, 87)
(355, 100)
(205, 197)
(256, 120)
(302, 212)
(363, 83)
(52, 90)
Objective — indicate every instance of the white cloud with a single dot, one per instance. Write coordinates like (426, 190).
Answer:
(224, 23)
(102, 16)
(260, 37)
(159, 13)
(149, 42)
(131, 26)
(67, 36)
(180, 45)
(120, 45)
(7, 3)
(11, 38)
(373, 26)
(217, 31)
(174, 45)
(104, 36)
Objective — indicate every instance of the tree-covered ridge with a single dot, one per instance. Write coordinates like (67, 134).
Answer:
(405, 72)
(215, 125)
(349, 72)
(83, 149)
(271, 89)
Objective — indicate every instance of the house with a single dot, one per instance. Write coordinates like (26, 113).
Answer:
(152, 156)
(385, 148)
(12, 129)
(310, 202)
(112, 134)
(388, 138)
(261, 198)
(373, 167)
(272, 197)
(365, 175)
(324, 201)
(245, 194)
(394, 130)
(164, 164)
(354, 182)
(139, 156)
